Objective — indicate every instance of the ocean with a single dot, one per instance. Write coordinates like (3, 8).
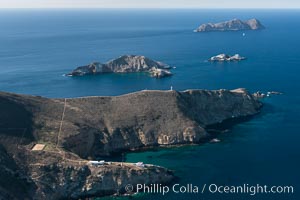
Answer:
(37, 47)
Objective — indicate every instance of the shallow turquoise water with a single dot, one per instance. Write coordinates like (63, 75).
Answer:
(38, 47)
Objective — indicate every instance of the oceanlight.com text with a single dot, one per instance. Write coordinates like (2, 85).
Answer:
(209, 188)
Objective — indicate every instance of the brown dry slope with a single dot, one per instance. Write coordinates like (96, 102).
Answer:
(97, 126)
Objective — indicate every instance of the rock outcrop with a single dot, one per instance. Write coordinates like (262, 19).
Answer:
(77, 129)
(158, 73)
(260, 95)
(125, 64)
(225, 57)
(231, 25)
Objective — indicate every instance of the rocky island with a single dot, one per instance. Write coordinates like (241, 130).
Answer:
(125, 64)
(224, 57)
(231, 25)
(46, 145)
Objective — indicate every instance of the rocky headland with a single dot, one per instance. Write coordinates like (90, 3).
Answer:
(231, 25)
(73, 131)
(125, 64)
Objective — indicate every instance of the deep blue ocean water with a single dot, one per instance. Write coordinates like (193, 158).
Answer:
(38, 46)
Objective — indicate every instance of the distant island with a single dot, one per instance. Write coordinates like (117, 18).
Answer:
(225, 57)
(231, 25)
(49, 147)
(125, 64)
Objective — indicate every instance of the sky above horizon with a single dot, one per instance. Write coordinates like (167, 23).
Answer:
(149, 4)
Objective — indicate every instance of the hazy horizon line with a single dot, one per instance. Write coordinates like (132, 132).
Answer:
(155, 8)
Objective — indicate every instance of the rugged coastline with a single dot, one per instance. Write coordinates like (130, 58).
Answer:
(76, 130)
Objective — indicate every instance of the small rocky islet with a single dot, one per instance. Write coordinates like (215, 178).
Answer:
(231, 25)
(225, 57)
(125, 64)
(261, 95)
